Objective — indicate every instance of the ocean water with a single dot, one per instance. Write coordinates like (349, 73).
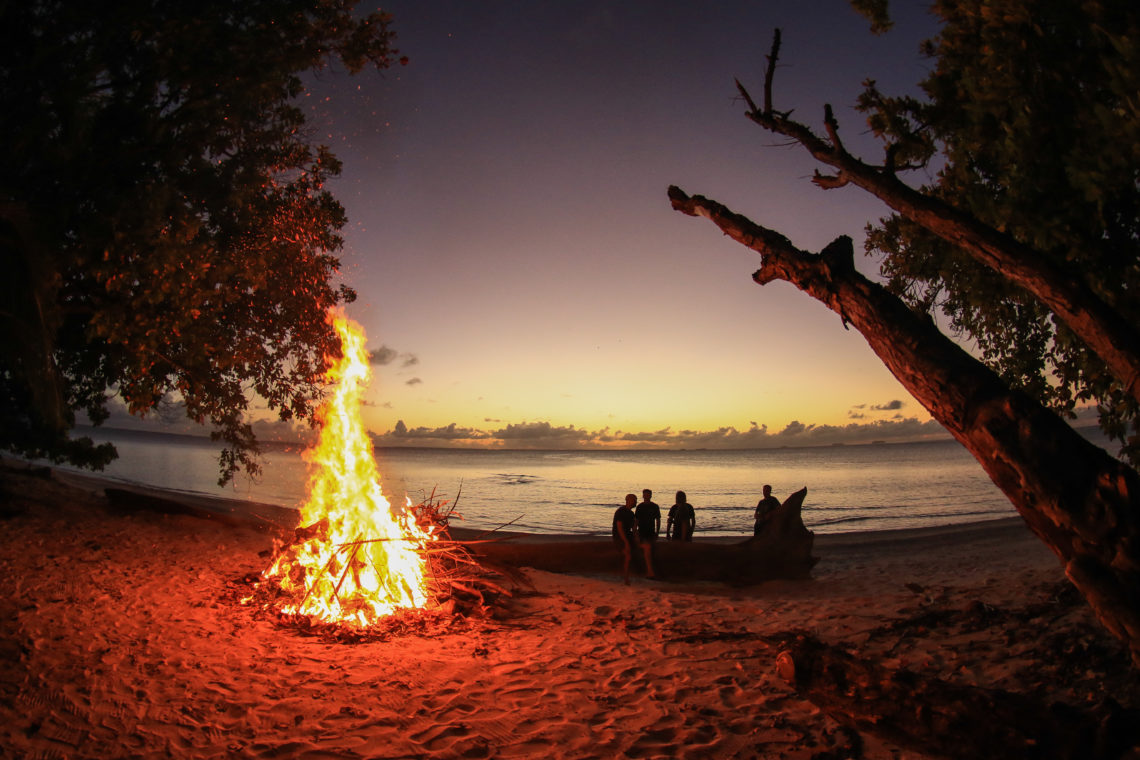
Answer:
(850, 488)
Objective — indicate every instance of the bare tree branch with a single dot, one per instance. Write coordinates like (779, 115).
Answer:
(832, 127)
(770, 73)
(1101, 328)
(744, 94)
(829, 181)
(1077, 498)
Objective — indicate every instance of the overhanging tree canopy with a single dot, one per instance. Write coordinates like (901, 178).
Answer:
(1049, 295)
(164, 226)
(1033, 108)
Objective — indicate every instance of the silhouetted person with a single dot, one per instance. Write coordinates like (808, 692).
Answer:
(765, 508)
(682, 520)
(648, 517)
(624, 530)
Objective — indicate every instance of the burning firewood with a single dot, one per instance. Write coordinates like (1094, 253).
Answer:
(357, 561)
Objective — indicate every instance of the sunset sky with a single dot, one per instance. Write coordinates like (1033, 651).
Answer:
(522, 277)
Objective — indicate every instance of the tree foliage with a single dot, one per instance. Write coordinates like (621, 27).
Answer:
(1032, 119)
(164, 225)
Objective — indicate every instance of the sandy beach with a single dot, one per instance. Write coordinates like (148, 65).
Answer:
(123, 637)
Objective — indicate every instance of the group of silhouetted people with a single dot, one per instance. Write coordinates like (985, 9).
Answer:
(638, 524)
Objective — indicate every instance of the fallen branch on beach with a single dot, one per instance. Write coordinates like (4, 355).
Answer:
(459, 580)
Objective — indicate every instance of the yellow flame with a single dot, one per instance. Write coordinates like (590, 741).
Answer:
(365, 564)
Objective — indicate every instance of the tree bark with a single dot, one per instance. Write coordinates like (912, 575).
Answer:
(30, 316)
(1077, 498)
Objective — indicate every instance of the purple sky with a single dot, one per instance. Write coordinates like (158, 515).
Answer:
(522, 277)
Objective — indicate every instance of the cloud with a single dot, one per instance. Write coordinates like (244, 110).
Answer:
(402, 435)
(794, 428)
(382, 356)
(285, 431)
(413, 381)
(547, 435)
(169, 417)
(544, 435)
(385, 355)
(856, 412)
(541, 435)
(644, 437)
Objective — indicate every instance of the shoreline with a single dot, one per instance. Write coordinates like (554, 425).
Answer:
(572, 492)
(268, 516)
(835, 550)
(123, 636)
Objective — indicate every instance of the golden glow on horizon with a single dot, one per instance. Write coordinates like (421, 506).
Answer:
(630, 401)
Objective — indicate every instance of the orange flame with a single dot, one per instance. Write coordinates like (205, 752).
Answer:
(359, 560)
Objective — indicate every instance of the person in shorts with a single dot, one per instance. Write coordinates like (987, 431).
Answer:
(648, 517)
(624, 530)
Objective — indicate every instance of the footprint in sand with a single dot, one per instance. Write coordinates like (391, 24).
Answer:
(523, 692)
(497, 730)
(462, 709)
(439, 737)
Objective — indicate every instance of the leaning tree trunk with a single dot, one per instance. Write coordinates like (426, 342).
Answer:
(1077, 498)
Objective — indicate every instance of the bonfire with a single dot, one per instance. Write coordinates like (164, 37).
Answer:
(356, 558)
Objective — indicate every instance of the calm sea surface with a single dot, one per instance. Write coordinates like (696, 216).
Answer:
(850, 488)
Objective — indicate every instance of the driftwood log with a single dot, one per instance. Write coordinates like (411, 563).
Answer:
(782, 551)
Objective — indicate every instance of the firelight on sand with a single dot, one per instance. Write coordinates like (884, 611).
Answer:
(356, 559)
